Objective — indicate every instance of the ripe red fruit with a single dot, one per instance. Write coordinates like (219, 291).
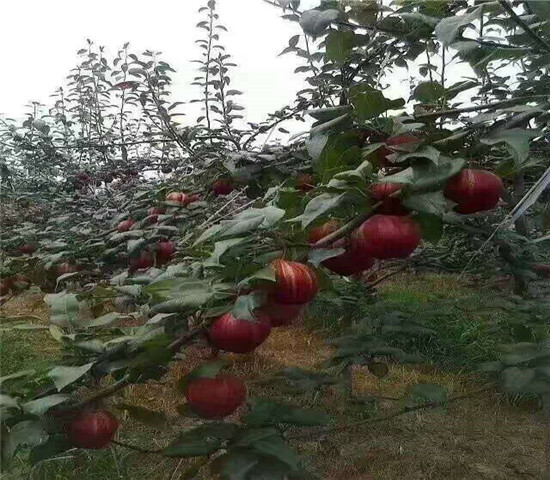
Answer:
(27, 248)
(281, 315)
(64, 268)
(398, 140)
(390, 206)
(296, 283)
(239, 336)
(5, 287)
(215, 397)
(19, 282)
(93, 429)
(222, 186)
(474, 190)
(145, 260)
(394, 143)
(178, 197)
(304, 182)
(165, 251)
(386, 236)
(125, 225)
(349, 262)
(156, 211)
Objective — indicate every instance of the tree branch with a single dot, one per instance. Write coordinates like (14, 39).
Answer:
(503, 103)
(526, 28)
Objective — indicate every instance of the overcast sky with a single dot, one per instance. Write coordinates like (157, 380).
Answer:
(39, 40)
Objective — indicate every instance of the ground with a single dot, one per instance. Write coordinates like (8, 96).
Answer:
(489, 436)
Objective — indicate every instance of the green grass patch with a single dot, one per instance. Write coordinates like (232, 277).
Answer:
(469, 324)
(26, 349)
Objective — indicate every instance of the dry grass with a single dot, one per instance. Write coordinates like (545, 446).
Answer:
(482, 438)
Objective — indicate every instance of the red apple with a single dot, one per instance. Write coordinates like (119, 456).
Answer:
(386, 236)
(66, 267)
(215, 397)
(402, 139)
(395, 143)
(27, 249)
(474, 190)
(179, 197)
(349, 262)
(296, 283)
(239, 336)
(125, 225)
(390, 205)
(165, 252)
(5, 286)
(281, 315)
(156, 211)
(93, 430)
(145, 260)
(222, 186)
(304, 182)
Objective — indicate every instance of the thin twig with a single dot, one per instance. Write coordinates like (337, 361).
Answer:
(179, 342)
(106, 392)
(390, 416)
(347, 228)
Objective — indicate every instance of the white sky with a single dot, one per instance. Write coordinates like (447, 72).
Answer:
(39, 40)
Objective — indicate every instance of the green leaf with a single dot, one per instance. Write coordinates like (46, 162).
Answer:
(425, 151)
(235, 464)
(357, 175)
(370, 103)
(63, 376)
(317, 207)
(205, 370)
(449, 28)
(266, 274)
(190, 292)
(64, 308)
(42, 405)
(16, 375)
(277, 448)
(517, 380)
(428, 92)
(427, 176)
(327, 114)
(220, 248)
(540, 8)
(103, 320)
(431, 226)
(266, 412)
(52, 447)
(428, 202)
(427, 392)
(209, 233)
(316, 144)
(517, 141)
(28, 432)
(245, 305)
(339, 44)
(144, 415)
(317, 256)
(249, 436)
(315, 22)
(203, 440)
